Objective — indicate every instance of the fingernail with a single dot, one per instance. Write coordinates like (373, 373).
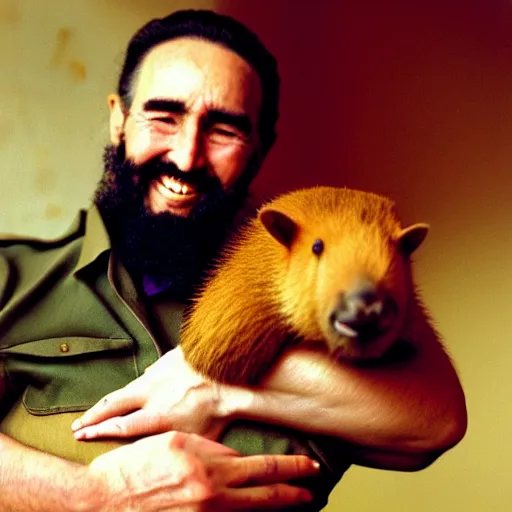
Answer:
(78, 435)
(305, 495)
(76, 424)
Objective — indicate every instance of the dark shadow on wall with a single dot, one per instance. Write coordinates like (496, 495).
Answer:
(378, 96)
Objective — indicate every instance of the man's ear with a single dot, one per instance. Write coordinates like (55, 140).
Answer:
(117, 118)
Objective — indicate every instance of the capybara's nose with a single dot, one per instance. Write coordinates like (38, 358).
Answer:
(365, 312)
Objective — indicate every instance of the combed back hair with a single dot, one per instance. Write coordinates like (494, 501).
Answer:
(217, 28)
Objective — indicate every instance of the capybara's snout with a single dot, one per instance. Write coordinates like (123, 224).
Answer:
(364, 313)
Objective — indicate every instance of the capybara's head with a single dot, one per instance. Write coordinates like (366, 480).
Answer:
(344, 272)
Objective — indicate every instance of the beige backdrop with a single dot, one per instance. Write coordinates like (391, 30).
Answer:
(413, 99)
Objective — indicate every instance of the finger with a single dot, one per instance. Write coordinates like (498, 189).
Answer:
(268, 469)
(266, 497)
(117, 403)
(137, 423)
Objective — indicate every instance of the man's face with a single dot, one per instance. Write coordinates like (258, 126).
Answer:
(195, 105)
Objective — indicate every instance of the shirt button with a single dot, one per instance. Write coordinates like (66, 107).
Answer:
(64, 347)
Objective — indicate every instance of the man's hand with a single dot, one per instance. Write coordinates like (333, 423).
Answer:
(169, 396)
(399, 415)
(188, 472)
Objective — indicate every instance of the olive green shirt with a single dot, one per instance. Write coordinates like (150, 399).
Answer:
(74, 328)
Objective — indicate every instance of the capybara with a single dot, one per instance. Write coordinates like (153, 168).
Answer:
(318, 265)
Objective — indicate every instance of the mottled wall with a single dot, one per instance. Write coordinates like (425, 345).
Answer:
(59, 60)
(412, 99)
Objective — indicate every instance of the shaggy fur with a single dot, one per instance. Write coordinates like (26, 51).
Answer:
(271, 289)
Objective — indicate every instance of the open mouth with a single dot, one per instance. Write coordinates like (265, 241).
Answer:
(344, 330)
(173, 185)
(169, 194)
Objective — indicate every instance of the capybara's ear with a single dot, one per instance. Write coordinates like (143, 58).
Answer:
(411, 237)
(279, 225)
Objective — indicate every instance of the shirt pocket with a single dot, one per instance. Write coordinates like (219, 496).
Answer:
(71, 373)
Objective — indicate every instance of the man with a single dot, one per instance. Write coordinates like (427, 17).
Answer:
(190, 125)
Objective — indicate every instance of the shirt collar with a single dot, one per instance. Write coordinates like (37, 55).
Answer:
(96, 239)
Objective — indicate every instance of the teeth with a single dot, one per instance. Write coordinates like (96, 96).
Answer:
(174, 186)
(344, 329)
(167, 181)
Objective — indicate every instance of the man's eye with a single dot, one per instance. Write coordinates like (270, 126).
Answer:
(165, 120)
(224, 132)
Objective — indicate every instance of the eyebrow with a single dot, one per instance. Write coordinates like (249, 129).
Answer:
(221, 116)
(163, 105)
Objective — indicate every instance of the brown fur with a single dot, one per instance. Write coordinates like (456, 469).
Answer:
(270, 289)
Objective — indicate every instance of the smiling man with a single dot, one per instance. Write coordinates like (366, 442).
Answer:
(100, 309)
(186, 144)
(196, 105)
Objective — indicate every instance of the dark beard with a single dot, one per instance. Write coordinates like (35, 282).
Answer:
(173, 251)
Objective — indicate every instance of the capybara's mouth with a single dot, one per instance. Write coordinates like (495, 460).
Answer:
(343, 329)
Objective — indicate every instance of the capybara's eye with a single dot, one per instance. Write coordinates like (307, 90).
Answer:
(318, 247)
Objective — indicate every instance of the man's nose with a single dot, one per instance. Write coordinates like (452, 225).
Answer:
(187, 147)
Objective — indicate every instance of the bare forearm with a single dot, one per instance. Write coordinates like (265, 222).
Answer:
(399, 416)
(35, 481)
(396, 415)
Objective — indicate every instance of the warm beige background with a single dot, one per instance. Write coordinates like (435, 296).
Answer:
(411, 101)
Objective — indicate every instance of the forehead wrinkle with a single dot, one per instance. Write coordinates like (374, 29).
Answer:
(195, 72)
(197, 90)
